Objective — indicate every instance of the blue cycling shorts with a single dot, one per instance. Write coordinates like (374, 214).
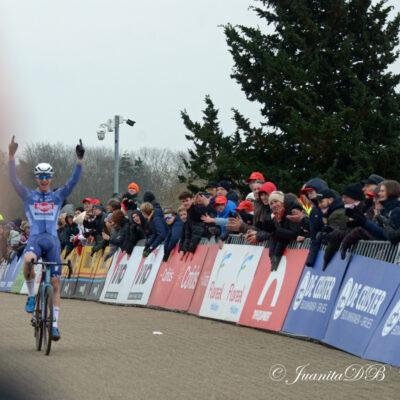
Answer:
(48, 244)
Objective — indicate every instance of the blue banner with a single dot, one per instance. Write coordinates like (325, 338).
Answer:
(10, 274)
(367, 290)
(385, 344)
(315, 297)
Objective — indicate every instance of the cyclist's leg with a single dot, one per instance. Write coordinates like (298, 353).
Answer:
(32, 252)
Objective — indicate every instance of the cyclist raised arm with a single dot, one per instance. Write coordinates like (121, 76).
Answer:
(42, 208)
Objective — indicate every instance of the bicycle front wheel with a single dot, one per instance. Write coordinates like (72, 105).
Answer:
(37, 320)
(48, 319)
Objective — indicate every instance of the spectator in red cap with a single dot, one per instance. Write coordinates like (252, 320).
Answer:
(225, 208)
(87, 205)
(261, 210)
(255, 176)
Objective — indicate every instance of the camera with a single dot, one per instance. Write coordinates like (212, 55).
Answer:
(130, 122)
(101, 133)
(205, 194)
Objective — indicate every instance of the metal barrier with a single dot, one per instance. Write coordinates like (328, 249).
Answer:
(378, 250)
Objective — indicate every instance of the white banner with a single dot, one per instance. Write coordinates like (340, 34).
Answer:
(120, 275)
(141, 284)
(230, 281)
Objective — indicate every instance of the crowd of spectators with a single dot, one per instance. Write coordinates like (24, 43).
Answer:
(367, 210)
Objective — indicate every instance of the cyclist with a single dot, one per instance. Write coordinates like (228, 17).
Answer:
(42, 208)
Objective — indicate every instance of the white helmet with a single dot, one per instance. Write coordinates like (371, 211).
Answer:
(43, 169)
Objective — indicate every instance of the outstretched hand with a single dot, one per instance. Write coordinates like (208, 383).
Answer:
(12, 147)
(80, 150)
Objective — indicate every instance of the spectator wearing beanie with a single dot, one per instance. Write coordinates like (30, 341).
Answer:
(224, 189)
(334, 217)
(276, 227)
(129, 199)
(352, 197)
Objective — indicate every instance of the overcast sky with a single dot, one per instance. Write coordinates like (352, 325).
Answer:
(70, 65)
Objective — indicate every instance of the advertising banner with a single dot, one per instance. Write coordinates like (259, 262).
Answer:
(230, 282)
(271, 292)
(165, 280)
(366, 292)
(115, 277)
(86, 271)
(99, 277)
(204, 278)
(141, 285)
(187, 279)
(315, 298)
(18, 282)
(68, 285)
(10, 274)
(385, 343)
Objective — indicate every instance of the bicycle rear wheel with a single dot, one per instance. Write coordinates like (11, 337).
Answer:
(37, 320)
(48, 319)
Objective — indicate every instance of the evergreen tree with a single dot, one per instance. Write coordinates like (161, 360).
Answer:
(328, 100)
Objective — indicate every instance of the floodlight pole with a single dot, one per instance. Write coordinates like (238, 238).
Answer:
(116, 153)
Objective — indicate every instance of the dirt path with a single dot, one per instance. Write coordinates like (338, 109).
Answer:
(110, 352)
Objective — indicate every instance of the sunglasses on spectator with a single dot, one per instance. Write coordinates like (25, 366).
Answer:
(41, 177)
(169, 217)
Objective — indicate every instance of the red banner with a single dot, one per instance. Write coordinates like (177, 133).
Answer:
(201, 287)
(185, 285)
(166, 277)
(271, 293)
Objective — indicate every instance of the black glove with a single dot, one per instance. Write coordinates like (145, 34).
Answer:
(147, 251)
(357, 216)
(80, 150)
(383, 221)
(12, 147)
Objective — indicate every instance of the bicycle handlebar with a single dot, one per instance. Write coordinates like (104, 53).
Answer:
(49, 263)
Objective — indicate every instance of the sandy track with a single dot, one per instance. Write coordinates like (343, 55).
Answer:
(110, 352)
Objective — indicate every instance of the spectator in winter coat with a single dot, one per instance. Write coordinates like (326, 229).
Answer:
(71, 230)
(194, 228)
(225, 208)
(369, 186)
(158, 225)
(139, 229)
(129, 199)
(119, 232)
(388, 222)
(261, 210)
(224, 189)
(311, 189)
(352, 197)
(95, 224)
(175, 226)
(333, 217)
(276, 227)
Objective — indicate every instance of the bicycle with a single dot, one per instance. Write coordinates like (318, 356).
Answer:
(42, 318)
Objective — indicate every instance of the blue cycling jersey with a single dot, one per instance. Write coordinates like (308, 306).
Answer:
(43, 209)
